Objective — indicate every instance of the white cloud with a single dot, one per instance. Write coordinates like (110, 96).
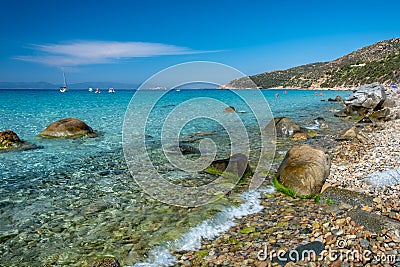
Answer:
(100, 52)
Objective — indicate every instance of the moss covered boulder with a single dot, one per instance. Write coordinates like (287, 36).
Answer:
(68, 128)
(304, 170)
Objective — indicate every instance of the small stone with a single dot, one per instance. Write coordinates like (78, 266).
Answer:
(337, 231)
(325, 225)
(377, 200)
(340, 221)
(364, 243)
(316, 225)
(395, 238)
(330, 239)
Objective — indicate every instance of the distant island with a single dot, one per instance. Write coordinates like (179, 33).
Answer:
(379, 62)
(72, 86)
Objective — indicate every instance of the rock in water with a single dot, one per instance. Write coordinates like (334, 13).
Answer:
(9, 141)
(304, 169)
(237, 164)
(347, 111)
(68, 128)
(184, 149)
(106, 262)
(229, 109)
(370, 96)
(300, 136)
(284, 126)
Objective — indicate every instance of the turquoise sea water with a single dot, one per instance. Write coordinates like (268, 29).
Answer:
(73, 201)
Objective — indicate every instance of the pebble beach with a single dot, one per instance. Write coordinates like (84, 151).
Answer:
(366, 233)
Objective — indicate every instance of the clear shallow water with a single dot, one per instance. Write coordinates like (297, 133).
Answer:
(74, 200)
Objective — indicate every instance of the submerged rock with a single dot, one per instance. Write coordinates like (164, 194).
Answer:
(237, 164)
(317, 123)
(68, 128)
(184, 149)
(321, 122)
(105, 262)
(9, 141)
(284, 127)
(304, 169)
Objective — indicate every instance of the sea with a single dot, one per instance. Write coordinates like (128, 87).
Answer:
(73, 201)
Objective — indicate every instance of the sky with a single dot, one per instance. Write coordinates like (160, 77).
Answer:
(128, 41)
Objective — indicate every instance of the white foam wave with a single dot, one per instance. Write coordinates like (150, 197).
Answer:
(208, 229)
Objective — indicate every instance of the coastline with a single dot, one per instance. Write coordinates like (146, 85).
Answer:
(285, 223)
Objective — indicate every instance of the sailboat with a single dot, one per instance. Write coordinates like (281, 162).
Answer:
(64, 88)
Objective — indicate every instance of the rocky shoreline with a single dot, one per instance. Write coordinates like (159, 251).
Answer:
(354, 222)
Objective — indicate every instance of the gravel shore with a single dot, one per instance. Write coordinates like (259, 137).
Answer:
(286, 223)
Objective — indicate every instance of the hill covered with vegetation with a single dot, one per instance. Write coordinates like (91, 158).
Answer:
(379, 62)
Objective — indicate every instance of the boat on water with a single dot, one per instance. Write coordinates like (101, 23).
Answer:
(111, 90)
(64, 88)
(90, 89)
(97, 91)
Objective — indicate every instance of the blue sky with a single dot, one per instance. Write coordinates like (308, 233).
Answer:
(128, 41)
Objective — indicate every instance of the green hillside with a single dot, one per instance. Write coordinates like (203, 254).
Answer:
(379, 62)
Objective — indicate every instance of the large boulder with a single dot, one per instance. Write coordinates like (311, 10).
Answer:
(370, 96)
(304, 170)
(284, 127)
(68, 128)
(9, 141)
(370, 100)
